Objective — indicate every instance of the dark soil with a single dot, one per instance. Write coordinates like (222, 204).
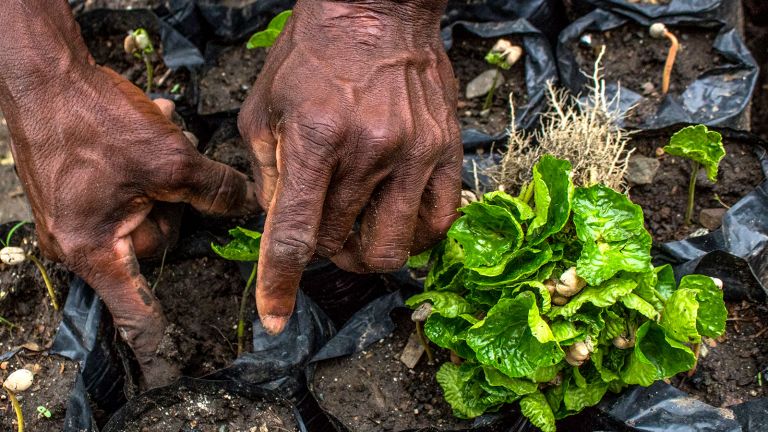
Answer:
(222, 411)
(104, 39)
(201, 300)
(729, 372)
(636, 60)
(374, 391)
(120, 4)
(24, 299)
(54, 378)
(225, 84)
(664, 202)
(468, 59)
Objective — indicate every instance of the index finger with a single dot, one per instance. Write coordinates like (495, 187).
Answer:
(293, 221)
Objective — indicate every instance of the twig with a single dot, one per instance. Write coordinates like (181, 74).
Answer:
(218, 330)
(160, 274)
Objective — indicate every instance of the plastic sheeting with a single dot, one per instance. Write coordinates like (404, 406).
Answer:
(716, 98)
(705, 12)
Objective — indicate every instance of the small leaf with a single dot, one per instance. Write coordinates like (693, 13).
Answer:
(486, 232)
(447, 304)
(553, 192)
(266, 38)
(243, 247)
(698, 144)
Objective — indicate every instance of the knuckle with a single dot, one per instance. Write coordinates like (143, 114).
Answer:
(292, 251)
(385, 259)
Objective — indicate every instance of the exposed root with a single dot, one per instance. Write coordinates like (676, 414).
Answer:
(585, 132)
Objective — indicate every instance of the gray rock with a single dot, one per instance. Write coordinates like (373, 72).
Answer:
(482, 83)
(641, 169)
(711, 218)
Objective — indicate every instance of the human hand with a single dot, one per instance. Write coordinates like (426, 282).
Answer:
(354, 112)
(100, 162)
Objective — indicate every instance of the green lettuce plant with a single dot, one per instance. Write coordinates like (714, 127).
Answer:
(267, 37)
(550, 299)
(244, 246)
(704, 148)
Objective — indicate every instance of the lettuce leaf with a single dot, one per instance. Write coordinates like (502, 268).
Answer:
(612, 232)
(514, 338)
(553, 192)
(655, 356)
(244, 246)
(447, 304)
(486, 232)
(537, 409)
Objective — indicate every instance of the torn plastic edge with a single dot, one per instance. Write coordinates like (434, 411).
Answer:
(540, 67)
(671, 111)
(702, 12)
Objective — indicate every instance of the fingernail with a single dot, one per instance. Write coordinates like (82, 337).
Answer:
(274, 324)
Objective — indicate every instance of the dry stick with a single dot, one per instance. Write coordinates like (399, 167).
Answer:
(46, 280)
(243, 304)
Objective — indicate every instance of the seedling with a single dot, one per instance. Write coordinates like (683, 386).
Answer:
(243, 247)
(45, 412)
(267, 37)
(660, 31)
(139, 45)
(555, 302)
(704, 148)
(17, 382)
(12, 255)
(503, 55)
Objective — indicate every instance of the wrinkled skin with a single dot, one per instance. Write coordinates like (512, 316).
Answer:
(353, 114)
(100, 164)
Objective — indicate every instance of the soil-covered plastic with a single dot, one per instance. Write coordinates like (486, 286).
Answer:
(546, 15)
(716, 98)
(540, 68)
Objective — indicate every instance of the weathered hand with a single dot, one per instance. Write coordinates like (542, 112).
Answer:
(354, 112)
(99, 162)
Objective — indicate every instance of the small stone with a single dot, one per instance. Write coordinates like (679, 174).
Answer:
(586, 40)
(648, 89)
(711, 218)
(485, 113)
(641, 169)
(753, 393)
(698, 233)
(483, 83)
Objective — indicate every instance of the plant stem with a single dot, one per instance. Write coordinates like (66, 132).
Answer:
(46, 279)
(489, 97)
(691, 193)
(696, 352)
(243, 305)
(150, 72)
(17, 410)
(424, 342)
(12, 325)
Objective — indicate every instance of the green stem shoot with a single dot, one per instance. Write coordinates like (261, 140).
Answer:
(46, 279)
(150, 72)
(17, 410)
(243, 308)
(6, 322)
(489, 97)
(424, 342)
(691, 193)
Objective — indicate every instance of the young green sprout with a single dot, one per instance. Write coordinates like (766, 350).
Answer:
(503, 55)
(659, 31)
(267, 37)
(12, 255)
(704, 148)
(243, 247)
(45, 412)
(139, 45)
(17, 382)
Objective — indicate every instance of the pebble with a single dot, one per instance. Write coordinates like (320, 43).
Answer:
(711, 218)
(641, 169)
(483, 83)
